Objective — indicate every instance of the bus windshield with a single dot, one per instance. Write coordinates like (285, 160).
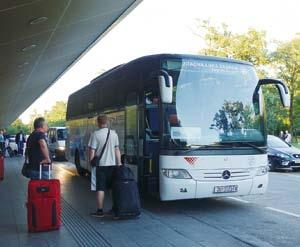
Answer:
(212, 104)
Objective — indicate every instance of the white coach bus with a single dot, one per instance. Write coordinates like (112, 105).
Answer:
(190, 126)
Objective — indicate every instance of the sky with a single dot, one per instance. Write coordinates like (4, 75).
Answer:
(168, 26)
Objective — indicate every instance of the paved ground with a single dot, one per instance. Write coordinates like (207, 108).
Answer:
(269, 220)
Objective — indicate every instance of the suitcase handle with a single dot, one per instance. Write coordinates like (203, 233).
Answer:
(49, 170)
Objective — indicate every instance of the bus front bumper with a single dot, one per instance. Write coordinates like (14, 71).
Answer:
(178, 189)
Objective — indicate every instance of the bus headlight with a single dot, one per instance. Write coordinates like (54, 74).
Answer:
(263, 170)
(176, 173)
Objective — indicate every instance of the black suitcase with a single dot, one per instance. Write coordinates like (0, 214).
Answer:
(125, 193)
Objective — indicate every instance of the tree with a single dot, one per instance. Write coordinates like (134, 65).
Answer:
(32, 117)
(57, 114)
(287, 60)
(250, 46)
(277, 116)
(16, 126)
(297, 115)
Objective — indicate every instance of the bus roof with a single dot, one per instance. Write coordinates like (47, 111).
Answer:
(106, 72)
(158, 57)
(190, 56)
(106, 89)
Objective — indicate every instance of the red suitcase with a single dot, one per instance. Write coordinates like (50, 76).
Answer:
(43, 206)
(1, 167)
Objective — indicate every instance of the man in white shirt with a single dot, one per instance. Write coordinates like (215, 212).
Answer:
(288, 137)
(101, 177)
(20, 140)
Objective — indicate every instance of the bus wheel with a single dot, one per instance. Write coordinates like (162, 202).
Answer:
(80, 170)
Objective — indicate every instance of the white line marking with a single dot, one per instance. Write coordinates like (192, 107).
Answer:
(238, 199)
(269, 208)
(283, 212)
(67, 171)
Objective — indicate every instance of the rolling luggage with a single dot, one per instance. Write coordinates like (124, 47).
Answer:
(43, 206)
(125, 193)
(1, 167)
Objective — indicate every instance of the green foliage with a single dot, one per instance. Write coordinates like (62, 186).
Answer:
(58, 123)
(287, 60)
(277, 116)
(33, 116)
(296, 118)
(57, 115)
(251, 46)
(16, 126)
(220, 41)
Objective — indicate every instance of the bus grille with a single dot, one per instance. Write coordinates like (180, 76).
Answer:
(213, 175)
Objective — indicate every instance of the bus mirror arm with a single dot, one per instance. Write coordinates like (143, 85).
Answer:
(164, 74)
(280, 85)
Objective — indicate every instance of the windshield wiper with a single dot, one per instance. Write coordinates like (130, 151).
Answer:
(240, 143)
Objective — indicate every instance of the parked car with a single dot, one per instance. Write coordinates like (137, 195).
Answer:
(57, 142)
(281, 155)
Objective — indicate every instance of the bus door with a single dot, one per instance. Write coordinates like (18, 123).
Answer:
(131, 135)
(151, 142)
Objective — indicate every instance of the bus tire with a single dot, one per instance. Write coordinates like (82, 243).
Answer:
(81, 172)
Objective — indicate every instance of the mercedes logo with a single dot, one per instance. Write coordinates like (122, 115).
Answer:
(226, 174)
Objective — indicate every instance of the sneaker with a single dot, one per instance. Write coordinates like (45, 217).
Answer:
(98, 214)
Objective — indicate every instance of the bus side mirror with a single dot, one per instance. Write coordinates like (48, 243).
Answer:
(284, 95)
(166, 88)
(282, 89)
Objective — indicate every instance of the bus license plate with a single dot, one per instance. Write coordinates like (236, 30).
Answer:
(226, 189)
